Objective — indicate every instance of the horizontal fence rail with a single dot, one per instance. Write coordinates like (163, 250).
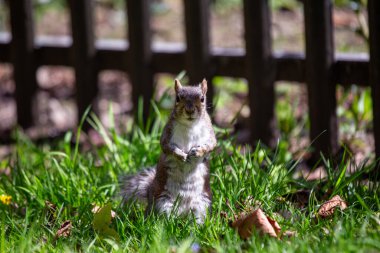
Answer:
(170, 58)
(319, 67)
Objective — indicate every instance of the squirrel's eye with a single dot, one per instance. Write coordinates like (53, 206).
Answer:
(177, 99)
(202, 99)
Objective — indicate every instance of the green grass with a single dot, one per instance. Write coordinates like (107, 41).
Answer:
(74, 180)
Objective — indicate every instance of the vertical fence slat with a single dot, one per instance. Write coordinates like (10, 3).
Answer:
(22, 46)
(197, 13)
(260, 70)
(83, 53)
(140, 52)
(321, 89)
(374, 50)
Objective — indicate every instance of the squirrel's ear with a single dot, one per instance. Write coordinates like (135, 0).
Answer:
(203, 86)
(177, 85)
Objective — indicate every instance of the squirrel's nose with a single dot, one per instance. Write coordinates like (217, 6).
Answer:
(189, 109)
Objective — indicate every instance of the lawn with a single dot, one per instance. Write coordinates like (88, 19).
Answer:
(49, 191)
(59, 183)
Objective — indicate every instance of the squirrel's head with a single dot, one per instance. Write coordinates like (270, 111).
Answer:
(190, 101)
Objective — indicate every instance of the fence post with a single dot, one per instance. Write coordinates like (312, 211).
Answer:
(83, 53)
(319, 76)
(260, 71)
(374, 51)
(140, 53)
(22, 50)
(197, 13)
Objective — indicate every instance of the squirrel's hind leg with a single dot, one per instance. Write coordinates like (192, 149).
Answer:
(164, 204)
(201, 206)
(149, 208)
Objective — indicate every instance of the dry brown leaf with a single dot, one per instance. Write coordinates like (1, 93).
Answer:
(327, 209)
(257, 220)
(275, 225)
(64, 230)
(238, 220)
(50, 208)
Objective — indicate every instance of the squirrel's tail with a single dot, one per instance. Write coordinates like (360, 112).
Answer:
(137, 186)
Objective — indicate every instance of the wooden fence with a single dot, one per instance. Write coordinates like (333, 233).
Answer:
(318, 67)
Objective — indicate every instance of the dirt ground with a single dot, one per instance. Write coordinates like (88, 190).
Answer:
(54, 106)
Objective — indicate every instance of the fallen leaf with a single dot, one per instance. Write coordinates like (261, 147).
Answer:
(50, 209)
(328, 208)
(96, 209)
(64, 230)
(275, 225)
(238, 220)
(102, 220)
(257, 220)
(102, 216)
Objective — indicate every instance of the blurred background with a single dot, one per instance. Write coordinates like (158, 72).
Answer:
(54, 106)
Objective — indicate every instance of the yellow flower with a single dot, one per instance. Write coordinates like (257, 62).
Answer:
(6, 199)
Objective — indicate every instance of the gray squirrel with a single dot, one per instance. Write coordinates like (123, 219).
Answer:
(180, 182)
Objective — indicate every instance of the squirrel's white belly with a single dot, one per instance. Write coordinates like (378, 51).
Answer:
(186, 184)
(188, 136)
(187, 187)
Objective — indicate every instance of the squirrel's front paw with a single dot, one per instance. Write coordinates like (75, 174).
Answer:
(196, 152)
(181, 156)
(184, 158)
